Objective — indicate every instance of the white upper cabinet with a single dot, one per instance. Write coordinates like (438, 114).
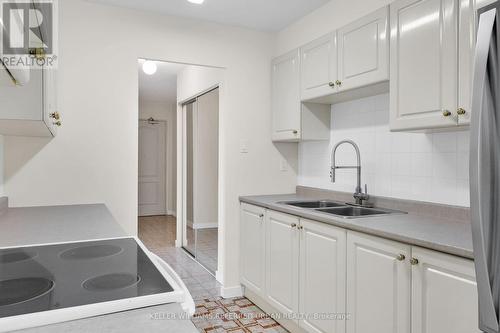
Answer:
(378, 285)
(30, 109)
(444, 293)
(252, 241)
(431, 57)
(286, 97)
(293, 121)
(319, 67)
(363, 51)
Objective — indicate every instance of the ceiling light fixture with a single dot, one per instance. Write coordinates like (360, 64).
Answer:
(198, 2)
(149, 67)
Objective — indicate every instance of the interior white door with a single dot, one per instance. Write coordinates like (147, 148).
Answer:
(318, 63)
(363, 48)
(286, 97)
(322, 277)
(253, 245)
(152, 168)
(424, 64)
(378, 285)
(282, 262)
(444, 294)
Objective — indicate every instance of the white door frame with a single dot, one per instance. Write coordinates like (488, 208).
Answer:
(167, 169)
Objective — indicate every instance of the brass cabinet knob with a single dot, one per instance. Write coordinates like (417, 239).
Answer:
(338, 82)
(331, 84)
(293, 225)
(401, 257)
(414, 261)
(261, 216)
(295, 132)
(461, 111)
(55, 115)
(58, 123)
(446, 113)
(300, 227)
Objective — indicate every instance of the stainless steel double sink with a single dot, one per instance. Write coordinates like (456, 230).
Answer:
(340, 209)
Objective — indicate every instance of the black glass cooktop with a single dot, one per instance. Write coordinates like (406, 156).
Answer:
(49, 277)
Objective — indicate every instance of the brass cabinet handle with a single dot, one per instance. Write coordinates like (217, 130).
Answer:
(293, 225)
(446, 113)
(55, 115)
(461, 111)
(58, 123)
(295, 132)
(300, 227)
(261, 216)
(401, 257)
(331, 84)
(338, 82)
(414, 261)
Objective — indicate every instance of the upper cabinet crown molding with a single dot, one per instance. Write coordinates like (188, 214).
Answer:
(431, 62)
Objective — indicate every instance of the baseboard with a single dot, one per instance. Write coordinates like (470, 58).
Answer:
(172, 213)
(205, 225)
(230, 292)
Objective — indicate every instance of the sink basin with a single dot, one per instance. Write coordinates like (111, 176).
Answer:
(314, 204)
(356, 212)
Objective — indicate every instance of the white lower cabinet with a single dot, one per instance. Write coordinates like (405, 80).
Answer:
(282, 262)
(252, 245)
(322, 277)
(378, 285)
(321, 272)
(444, 293)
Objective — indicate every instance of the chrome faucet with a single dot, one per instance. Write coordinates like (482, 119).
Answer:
(358, 195)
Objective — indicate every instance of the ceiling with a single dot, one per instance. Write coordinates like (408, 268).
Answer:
(266, 15)
(161, 86)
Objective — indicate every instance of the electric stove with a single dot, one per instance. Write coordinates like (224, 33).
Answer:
(46, 284)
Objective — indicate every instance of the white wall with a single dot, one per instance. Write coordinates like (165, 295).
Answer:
(194, 80)
(165, 111)
(328, 18)
(94, 157)
(416, 166)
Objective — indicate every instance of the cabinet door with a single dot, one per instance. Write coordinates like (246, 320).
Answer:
(322, 276)
(424, 64)
(286, 97)
(282, 262)
(252, 257)
(363, 49)
(319, 67)
(466, 45)
(378, 285)
(51, 116)
(444, 294)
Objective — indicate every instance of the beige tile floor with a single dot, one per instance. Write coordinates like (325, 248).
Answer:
(158, 234)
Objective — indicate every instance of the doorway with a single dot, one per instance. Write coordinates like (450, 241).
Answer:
(201, 223)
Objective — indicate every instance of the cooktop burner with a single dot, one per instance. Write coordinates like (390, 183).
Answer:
(111, 282)
(15, 256)
(90, 252)
(21, 290)
(50, 277)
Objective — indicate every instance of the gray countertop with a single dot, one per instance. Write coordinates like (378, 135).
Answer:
(53, 224)
(440, 234)
(42, 225)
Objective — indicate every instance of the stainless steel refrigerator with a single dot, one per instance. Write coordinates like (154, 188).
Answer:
(485, 166)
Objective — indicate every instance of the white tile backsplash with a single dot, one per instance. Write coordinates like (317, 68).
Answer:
(417, 166)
